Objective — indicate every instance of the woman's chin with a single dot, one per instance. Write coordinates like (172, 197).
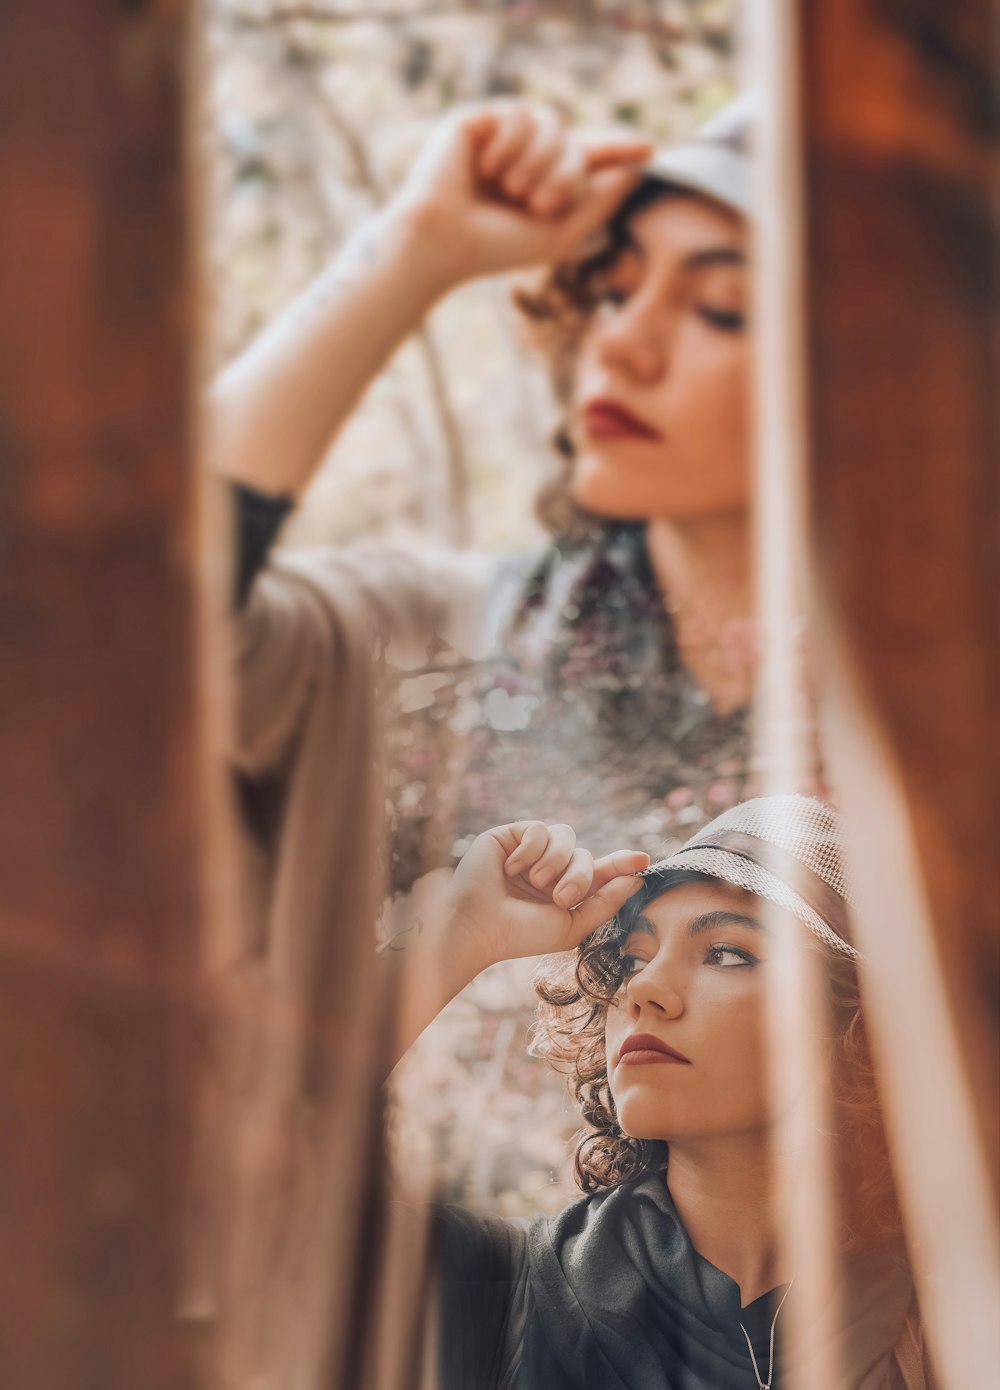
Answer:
(598, 488)
(641, 490)
(645, 1117)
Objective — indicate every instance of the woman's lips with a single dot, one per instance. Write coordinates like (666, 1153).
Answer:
(608, 419)
(640, 1049)
(642, 1056)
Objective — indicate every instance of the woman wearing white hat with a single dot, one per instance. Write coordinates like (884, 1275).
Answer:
(667, 1275)
(615, 691)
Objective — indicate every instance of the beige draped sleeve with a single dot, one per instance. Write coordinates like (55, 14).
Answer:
(290, 1156)
(318, 622)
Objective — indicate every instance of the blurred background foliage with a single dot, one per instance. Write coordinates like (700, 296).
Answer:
(312, 115)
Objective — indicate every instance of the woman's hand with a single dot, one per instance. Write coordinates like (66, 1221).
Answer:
(527, 890)
(521, 890)
(511, 185)
(496, 188)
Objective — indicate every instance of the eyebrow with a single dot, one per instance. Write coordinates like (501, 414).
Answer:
(698, 260)
(705, 922)
(711, 921)
(715, 255)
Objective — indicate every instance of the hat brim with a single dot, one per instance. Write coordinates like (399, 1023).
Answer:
(754, 878)
(713, 171)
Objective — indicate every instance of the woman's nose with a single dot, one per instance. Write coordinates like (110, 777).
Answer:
(655, 990)
(634, 339)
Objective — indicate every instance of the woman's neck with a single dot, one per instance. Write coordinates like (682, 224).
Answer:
(723, 1193)
(703, 571)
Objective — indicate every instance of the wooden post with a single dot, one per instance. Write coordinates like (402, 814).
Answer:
(899, 114)
(99, 911)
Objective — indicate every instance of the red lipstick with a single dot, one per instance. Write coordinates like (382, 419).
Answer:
(638, 1049)
(604, 418)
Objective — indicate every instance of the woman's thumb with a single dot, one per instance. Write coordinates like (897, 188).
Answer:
(594, 911)
(608, 190)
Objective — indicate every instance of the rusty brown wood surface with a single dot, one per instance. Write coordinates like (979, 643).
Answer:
(899, 125)
(97, 723)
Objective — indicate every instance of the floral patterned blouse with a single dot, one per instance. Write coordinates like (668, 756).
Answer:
(584, 713)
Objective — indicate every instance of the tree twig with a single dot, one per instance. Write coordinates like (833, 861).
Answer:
(459, 520)
(307, 14)
(583, 16)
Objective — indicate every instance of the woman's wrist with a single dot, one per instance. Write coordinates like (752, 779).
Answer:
(455, 952)
(432, 964)
(391, 254)
(424, 237)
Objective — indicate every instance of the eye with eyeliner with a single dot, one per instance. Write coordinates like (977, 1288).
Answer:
(725, 320)
(611, 289)
(612, 285)
(744, 958)
(715, 956)
(630, 964)
(613, 297)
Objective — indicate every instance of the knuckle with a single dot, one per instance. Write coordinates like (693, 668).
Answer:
(525, 168)
(544, 161)
(561, 180)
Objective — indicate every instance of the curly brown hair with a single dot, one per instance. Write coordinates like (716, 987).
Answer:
(559, 310)
(569, 1034)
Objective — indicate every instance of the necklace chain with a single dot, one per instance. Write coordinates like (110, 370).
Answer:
(766, 1384)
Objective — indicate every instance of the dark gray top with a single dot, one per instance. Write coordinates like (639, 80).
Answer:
(612, 1295)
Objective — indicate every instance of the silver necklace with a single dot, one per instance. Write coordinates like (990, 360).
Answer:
(766, 1384)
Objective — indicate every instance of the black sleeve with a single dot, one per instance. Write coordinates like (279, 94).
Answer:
(259, 517)
(482, 1271)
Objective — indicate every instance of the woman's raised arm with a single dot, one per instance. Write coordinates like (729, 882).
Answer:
(524, 889)
(496, 188)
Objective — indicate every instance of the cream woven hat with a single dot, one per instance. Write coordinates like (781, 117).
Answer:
(716, 160)
(788, 849)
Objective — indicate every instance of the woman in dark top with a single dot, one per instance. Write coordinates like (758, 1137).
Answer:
(668, 1274)
(615, 692)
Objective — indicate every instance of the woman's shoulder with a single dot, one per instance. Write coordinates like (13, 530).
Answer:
(482, 1271)
(410, 592)
(477, 1246)
(491, 1246)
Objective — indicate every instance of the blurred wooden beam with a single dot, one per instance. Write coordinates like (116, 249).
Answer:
(98, 734)
(901, 306)
(899, 120)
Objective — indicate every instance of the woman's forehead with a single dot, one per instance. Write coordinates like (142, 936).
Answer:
(677, 226)
(678, 907)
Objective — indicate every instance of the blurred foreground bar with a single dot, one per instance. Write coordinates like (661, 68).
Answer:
(98, 740)
(899, 106)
